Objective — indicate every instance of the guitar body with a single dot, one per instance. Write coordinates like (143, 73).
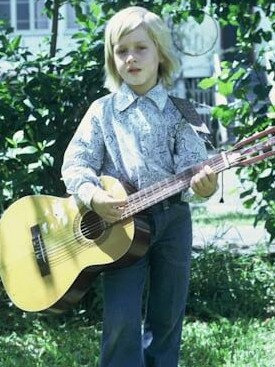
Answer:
(52, 248)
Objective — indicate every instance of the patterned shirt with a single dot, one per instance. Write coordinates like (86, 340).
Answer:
(136, 139)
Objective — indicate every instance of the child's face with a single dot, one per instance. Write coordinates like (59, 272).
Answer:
(137, 60)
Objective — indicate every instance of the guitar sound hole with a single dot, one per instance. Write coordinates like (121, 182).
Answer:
(92, 225)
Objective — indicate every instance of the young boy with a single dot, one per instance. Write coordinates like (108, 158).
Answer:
(137, 135)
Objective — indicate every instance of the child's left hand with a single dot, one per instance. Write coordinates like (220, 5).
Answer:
(204, 183)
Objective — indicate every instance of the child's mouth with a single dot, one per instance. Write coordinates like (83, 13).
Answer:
(134, 71)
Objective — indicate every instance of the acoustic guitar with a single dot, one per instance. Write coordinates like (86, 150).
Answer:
(52, 248)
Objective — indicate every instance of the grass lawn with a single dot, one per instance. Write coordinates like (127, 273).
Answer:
(240, 343)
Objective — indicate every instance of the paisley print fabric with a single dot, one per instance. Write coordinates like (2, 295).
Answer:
(137, 139)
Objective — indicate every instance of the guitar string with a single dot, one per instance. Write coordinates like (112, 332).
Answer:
(72, 248)
(135, 202)
(132, 208)
(63, 255)
(76, 246)
(59, 247)
(57, 256)
(56, 247)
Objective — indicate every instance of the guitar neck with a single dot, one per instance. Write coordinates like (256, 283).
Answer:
(162, 190)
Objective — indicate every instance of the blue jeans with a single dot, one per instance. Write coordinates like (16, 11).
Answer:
(124, 342)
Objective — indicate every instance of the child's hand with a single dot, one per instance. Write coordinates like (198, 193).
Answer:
(204, 183)
(109, 208)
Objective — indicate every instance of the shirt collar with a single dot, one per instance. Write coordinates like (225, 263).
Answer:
(126, 96)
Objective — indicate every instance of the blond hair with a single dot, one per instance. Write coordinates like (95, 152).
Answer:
(124, 22)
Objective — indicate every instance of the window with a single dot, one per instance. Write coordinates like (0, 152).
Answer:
(24, 15)
(5, 11)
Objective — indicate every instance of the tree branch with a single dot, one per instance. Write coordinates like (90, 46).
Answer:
(54, 31)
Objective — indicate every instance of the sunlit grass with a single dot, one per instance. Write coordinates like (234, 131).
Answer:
(239, 343)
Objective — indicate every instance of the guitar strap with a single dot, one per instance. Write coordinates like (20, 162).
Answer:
(190, 114)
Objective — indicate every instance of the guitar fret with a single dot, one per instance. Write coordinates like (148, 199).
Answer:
(159, 191)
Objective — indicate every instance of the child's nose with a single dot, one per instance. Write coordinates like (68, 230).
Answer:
(130, 57)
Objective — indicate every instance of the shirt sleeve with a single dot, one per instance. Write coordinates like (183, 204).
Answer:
(190, 150)
(83, 158)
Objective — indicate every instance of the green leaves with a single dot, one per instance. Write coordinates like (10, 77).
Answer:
(42, 101)
(225, 114)
(208, 83)
(225, 82)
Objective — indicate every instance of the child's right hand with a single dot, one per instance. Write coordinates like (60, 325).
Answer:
(106, 206)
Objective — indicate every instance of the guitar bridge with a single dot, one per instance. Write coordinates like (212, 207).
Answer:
(40, 251)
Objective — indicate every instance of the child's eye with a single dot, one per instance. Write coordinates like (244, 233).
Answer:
(142, 47)
(121, 51)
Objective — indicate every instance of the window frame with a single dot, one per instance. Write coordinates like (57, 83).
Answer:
(32, 21)
(33, 31)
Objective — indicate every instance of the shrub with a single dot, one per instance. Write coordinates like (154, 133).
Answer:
(224, 284)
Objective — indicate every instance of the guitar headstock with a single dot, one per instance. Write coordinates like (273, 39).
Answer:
(254, 149)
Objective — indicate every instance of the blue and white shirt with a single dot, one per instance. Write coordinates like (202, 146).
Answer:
(136, 139)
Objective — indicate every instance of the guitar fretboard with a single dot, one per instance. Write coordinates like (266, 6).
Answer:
(155, 193)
